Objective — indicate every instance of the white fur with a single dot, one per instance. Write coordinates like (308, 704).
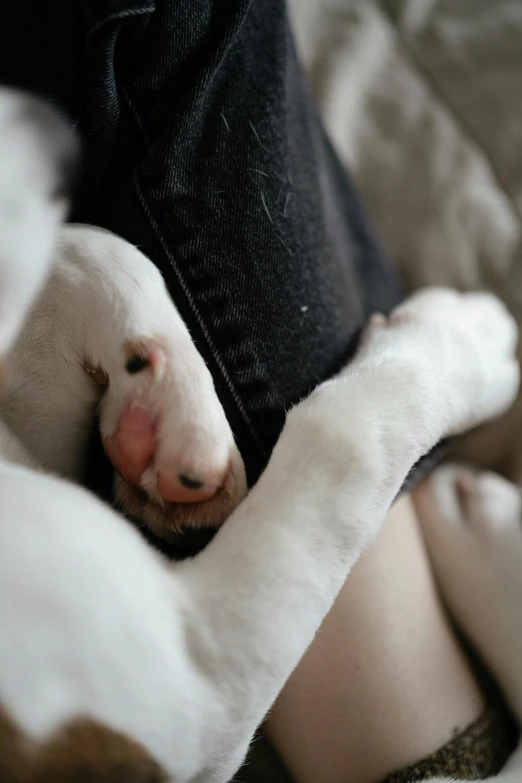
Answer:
(188, 658)
(29, 214)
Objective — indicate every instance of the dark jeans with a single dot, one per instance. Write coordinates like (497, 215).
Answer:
(203, 146)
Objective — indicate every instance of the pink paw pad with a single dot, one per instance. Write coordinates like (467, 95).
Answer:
(132, 447)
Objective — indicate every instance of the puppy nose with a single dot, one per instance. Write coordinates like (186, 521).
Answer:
(60, 144)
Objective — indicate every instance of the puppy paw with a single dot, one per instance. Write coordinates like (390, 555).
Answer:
(463, 347)
(165, 432)
(162, 424)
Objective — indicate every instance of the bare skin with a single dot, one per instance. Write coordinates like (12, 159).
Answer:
(385, 683)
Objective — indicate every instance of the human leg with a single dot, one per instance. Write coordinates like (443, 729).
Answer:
(384, 683)
(472, 524)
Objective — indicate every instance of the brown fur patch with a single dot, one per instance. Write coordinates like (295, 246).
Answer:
(3, 371)
(15, 753)
(83, 751)
(98, 375)
(171, 519)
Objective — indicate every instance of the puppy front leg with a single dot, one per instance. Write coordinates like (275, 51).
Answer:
(264, 585)
(272, 573)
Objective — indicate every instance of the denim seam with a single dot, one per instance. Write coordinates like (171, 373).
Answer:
(190, 299)
(159, 236)
(116, 16)
(135, 114)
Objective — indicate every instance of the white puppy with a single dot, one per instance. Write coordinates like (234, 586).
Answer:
(115, 664)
